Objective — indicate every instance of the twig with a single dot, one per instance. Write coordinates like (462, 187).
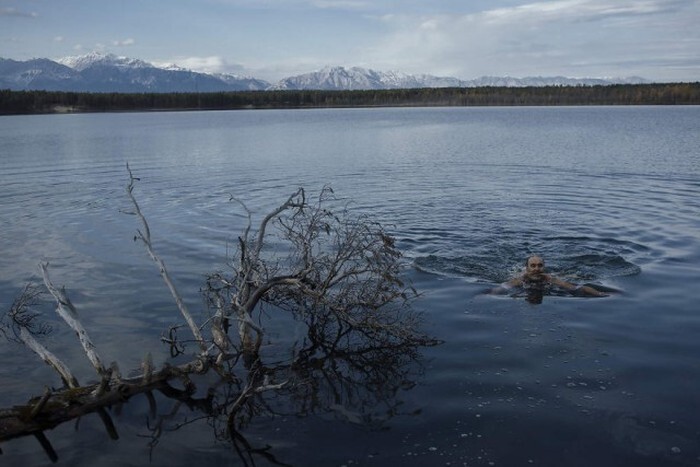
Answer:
(145, 237)
(290, 203)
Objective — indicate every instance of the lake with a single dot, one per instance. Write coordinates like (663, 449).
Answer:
(607, 195)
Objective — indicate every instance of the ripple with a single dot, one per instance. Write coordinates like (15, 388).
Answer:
(468, 200)
(573, 258)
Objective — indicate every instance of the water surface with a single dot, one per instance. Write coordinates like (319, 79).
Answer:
(608, 195)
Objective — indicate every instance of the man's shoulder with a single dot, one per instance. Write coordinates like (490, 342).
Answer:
(516, 281)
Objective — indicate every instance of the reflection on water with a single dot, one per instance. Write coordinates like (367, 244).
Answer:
(607, 195)
(350, 360)
(358, 384)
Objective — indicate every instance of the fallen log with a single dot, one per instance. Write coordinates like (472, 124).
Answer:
(56, 407)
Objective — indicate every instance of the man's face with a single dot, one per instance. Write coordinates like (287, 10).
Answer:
(535, 267)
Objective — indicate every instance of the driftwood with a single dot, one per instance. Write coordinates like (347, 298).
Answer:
(54, 408)
(338, 273)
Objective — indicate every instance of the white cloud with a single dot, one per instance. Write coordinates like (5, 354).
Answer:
(342, 4)
(575, 10)
(124, 43)
(9, 11)
(465, 39)
(572, 37)
(209, 64)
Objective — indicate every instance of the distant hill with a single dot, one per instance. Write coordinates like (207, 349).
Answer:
(96, 72)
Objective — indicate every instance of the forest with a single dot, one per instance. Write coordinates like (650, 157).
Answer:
(38, 102)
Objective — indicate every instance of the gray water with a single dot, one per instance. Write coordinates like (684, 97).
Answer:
(608, 195)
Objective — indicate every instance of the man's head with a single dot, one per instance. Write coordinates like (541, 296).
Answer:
(534, 267)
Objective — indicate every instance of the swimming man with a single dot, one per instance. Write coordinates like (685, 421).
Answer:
(534, 275)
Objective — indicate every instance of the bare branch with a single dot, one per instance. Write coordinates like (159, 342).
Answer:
(26, 327)
(20, 314)
(244, 237)
(67, 311)
(297, 199)
(146, 239)
(48, 357)
(337, 272)
(334, 266)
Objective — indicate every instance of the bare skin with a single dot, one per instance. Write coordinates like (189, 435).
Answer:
(535, 274)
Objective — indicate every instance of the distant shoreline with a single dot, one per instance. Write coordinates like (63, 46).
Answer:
(58, 102)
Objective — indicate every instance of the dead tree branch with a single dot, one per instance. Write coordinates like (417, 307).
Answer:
(67, 311)
(339, 264)
(336, 271)
(59, 407)
(25, 327)
(145, 237)
(52, 360)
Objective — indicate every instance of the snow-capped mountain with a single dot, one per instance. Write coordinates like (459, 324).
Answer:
(97, 72)
(38, 73)
(535, 81)
(340, 78)
(242, 82)
(92, 59)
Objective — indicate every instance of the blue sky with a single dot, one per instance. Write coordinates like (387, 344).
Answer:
(272, 39)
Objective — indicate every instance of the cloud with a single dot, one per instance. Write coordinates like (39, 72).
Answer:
(9, 11)
(554, 37)
(301, 5)
(577, 10)
(124, 43)
(210, 64)
(342, 4)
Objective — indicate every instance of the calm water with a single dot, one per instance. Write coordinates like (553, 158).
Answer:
(607, 195)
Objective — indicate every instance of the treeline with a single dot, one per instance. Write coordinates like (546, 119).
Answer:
(29, 102)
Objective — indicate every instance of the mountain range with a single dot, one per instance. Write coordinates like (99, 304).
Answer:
(97, 72)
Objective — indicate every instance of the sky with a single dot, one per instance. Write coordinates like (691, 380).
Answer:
(272, 39)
